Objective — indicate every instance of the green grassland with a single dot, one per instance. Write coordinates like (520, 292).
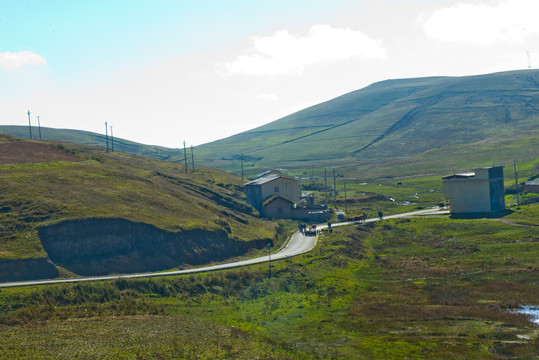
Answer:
(426, 288)
(117, 185)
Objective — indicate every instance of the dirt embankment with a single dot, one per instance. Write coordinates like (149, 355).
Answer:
(107, 246)
(27, 269)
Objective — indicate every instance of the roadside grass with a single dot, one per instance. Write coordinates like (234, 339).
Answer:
(434, 288)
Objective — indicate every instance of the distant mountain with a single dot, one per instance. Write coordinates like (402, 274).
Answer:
(405, 125)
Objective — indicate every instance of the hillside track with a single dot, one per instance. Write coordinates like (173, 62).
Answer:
(403, 122)
(296, 245)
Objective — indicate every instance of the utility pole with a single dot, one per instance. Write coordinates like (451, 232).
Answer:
(269, 255)
(111, 139)
(345, 205)
(241, 167)
(192, 159)
(39, 127)
(29, 125)
(312, 173)
(107, 135)
(334, 190)
(516, 182)
(185, 155)
(326, 185)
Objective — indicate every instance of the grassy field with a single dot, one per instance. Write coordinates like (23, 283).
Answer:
(426, 288)
(94, 183)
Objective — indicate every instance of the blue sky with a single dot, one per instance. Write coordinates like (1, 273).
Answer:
(166, 71)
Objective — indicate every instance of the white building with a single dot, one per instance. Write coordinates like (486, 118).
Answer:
(273, 184)
(481, 191)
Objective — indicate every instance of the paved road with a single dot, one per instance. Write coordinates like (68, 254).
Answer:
(296, 245)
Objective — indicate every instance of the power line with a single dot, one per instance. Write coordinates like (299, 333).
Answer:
(39, 127)
(107, 135)
(29, 125)
(185, 155)
(192, 159)
(111, 139)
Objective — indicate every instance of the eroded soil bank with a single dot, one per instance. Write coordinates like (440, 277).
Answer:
(27, 269)
(108, 246)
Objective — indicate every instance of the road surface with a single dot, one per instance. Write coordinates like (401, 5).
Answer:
(297, 244)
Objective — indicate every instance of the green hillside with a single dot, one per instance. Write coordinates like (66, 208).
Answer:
(398, 123)
(48, 183)
(390, 128)
(94, 139)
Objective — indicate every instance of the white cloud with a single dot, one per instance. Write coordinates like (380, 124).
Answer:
(268, 97)
(480, 24)
(13, 60)
(286, 53)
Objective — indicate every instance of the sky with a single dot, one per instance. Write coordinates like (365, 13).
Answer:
(162, 72)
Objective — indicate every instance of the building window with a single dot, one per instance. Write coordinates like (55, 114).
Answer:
(280, 211)
(276, 189)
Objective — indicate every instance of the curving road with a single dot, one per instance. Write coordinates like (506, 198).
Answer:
(297, 244)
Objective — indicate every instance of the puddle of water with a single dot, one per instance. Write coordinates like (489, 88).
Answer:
(531, 311)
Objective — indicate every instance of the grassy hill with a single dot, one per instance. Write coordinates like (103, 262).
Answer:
(94, 139)
(44, 184)
(411, 124)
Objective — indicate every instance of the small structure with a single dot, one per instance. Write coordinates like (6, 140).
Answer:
(480, 191)
(268, 185)
(277, 206)
(530, 186)
(276, 195)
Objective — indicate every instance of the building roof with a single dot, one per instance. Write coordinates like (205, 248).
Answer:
(459, 176)
(267, 172)
(268, 178)
(275, 197)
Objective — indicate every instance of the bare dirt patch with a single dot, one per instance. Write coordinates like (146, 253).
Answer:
(26, 152)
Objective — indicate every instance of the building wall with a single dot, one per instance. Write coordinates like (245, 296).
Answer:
(531, 186)
(278, 209)
(497, 195)
(253, 195)
(483, 192)
(284, 187)
(468, 196)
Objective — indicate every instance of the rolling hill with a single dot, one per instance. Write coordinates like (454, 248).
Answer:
(390, 128)
(399, 126)
(94, 139)
(91, 212)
